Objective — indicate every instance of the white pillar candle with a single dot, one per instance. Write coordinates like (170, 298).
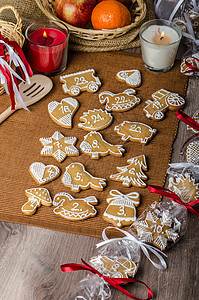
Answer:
(159, 44)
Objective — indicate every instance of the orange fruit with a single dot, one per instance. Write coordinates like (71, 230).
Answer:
(110, 14)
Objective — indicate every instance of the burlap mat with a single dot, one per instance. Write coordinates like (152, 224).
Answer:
(30, 12)
(20, 146)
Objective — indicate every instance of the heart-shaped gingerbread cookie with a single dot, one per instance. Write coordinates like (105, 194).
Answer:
(43, 174)
(62, 112)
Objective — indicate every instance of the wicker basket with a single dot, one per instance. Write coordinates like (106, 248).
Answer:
(138, 12)
(11, 31)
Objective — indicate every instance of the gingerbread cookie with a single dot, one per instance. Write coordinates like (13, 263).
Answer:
(132, 174)
(77, 178)
(162, 101)
(74, 209)
(185, 187)
(80, 81)
(63, 112)
(135, 131)
(157, 228)
(95, 146)
(121, 210)
(192, 152)
(130, 77)
(36, 198)
(117, 267)
(96, 119)
(59, 146)
(186, 64)
(43, 174)
(195, 118)
(119, 102)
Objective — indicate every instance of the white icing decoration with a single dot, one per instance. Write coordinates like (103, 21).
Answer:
(62, 151)
(80, 83)
(98, 142)
(135, 132)
(66, 119)
(131, 77)
(89, 180)
(37, 170)
(97, 121)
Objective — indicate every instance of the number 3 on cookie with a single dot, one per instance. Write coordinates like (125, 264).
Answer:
(121, 210)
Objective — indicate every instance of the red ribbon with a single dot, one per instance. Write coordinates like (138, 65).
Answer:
(194, 68)
(115, 282)
(169, 194)
(188, 120)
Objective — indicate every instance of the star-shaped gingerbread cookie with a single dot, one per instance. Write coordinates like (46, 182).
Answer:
(156, 230)
(59, 146)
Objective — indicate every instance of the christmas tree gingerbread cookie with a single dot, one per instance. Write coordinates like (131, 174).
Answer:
(59, 146)
(133, 173)
(95, 146)
(119, 102)
(63, 112)
(36, 198)
(121, 210)
(74, 209)
(77, 178)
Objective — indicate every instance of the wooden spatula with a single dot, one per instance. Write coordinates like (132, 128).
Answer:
(40, 85)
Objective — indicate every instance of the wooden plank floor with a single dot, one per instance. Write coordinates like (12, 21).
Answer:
(30, 257)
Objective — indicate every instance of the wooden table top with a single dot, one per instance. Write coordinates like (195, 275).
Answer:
(30, 257)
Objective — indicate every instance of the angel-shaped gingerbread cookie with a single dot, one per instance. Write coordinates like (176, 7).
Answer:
(74, 209)
(95, 146)
(121, 210)
(77, 178)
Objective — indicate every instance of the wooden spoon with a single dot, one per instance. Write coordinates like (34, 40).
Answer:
(39, 86)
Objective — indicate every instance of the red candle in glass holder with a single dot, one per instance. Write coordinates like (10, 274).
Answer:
(47, 50)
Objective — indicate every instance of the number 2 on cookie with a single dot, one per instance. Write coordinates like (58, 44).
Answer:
(75, 207)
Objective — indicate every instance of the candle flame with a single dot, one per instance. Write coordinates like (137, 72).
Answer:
(162, 35)
(44, 34)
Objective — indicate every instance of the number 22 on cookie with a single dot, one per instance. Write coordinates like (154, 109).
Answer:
(97, 118)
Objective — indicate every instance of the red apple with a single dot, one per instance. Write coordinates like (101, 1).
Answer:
(75, 12)
(125, 2)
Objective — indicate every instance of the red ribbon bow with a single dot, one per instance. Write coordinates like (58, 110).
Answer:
(115, 282)
(169, 194)
(192, 67)
(188, 120)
